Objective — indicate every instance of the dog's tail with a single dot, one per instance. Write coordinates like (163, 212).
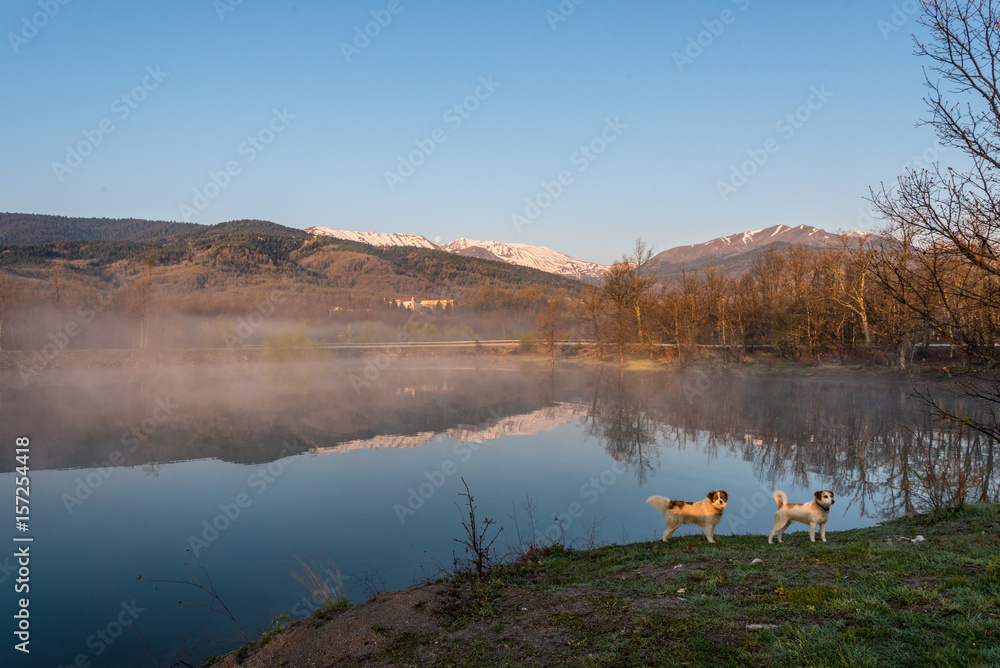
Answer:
(661, 503)
(780, 498)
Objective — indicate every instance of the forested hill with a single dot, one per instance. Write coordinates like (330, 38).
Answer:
(22, 229)
(186, 257)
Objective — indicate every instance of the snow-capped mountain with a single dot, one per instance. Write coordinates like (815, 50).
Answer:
(735, 244)
(536, 257)
(528, 424)
(376, 238)
(735, 253)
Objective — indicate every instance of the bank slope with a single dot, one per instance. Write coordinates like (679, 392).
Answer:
(866, 597)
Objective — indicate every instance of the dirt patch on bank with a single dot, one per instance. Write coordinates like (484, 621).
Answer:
(357, 634)
(442, 623)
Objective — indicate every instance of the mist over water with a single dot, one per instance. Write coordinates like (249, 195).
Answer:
(135, 471)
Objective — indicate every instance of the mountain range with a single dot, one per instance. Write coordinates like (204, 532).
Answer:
(535, 257)
(527, 424)
(205, 262)
(732, 254)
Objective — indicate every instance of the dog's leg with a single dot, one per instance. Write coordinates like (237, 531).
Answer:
(773, 531)
(822, 531)
(671, 528)
(812, 531)
(710, 533)
(781, 531)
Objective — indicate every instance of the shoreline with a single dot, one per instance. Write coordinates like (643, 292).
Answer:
(870, 596)
(13, 361)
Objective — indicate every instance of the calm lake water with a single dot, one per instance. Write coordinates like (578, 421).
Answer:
(250, 467)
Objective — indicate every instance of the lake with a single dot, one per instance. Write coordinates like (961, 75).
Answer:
(249, 468)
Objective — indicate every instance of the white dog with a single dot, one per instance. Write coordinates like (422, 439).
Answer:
(706, 513)
(816, 512)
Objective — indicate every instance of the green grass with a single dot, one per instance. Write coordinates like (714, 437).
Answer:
(864, 598)
(857, 600)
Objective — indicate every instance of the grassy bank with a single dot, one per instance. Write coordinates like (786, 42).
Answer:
(867, 597)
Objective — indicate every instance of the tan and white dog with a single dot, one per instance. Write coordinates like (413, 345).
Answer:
(814, 513)
(706, 513)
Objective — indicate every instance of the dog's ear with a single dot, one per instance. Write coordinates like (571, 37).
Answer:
(818, 494)
(725, 494)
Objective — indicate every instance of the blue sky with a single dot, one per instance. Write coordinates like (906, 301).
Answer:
(577, 130)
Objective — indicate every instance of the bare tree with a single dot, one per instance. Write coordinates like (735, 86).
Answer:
(635, 287)
(688, 311)
(718, 289)
(551, 326)
(851, 279)
(939, 260)
(594, 314)
(617, 290)
(628, 285)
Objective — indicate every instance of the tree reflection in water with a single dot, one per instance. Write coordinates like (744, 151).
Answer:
(885, 451)
(868, 433)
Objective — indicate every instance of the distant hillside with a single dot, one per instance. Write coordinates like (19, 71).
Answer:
(23, 229)
(410, 269)
(525, 255)
(734, 254)
(197, 261)
(539, 257)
